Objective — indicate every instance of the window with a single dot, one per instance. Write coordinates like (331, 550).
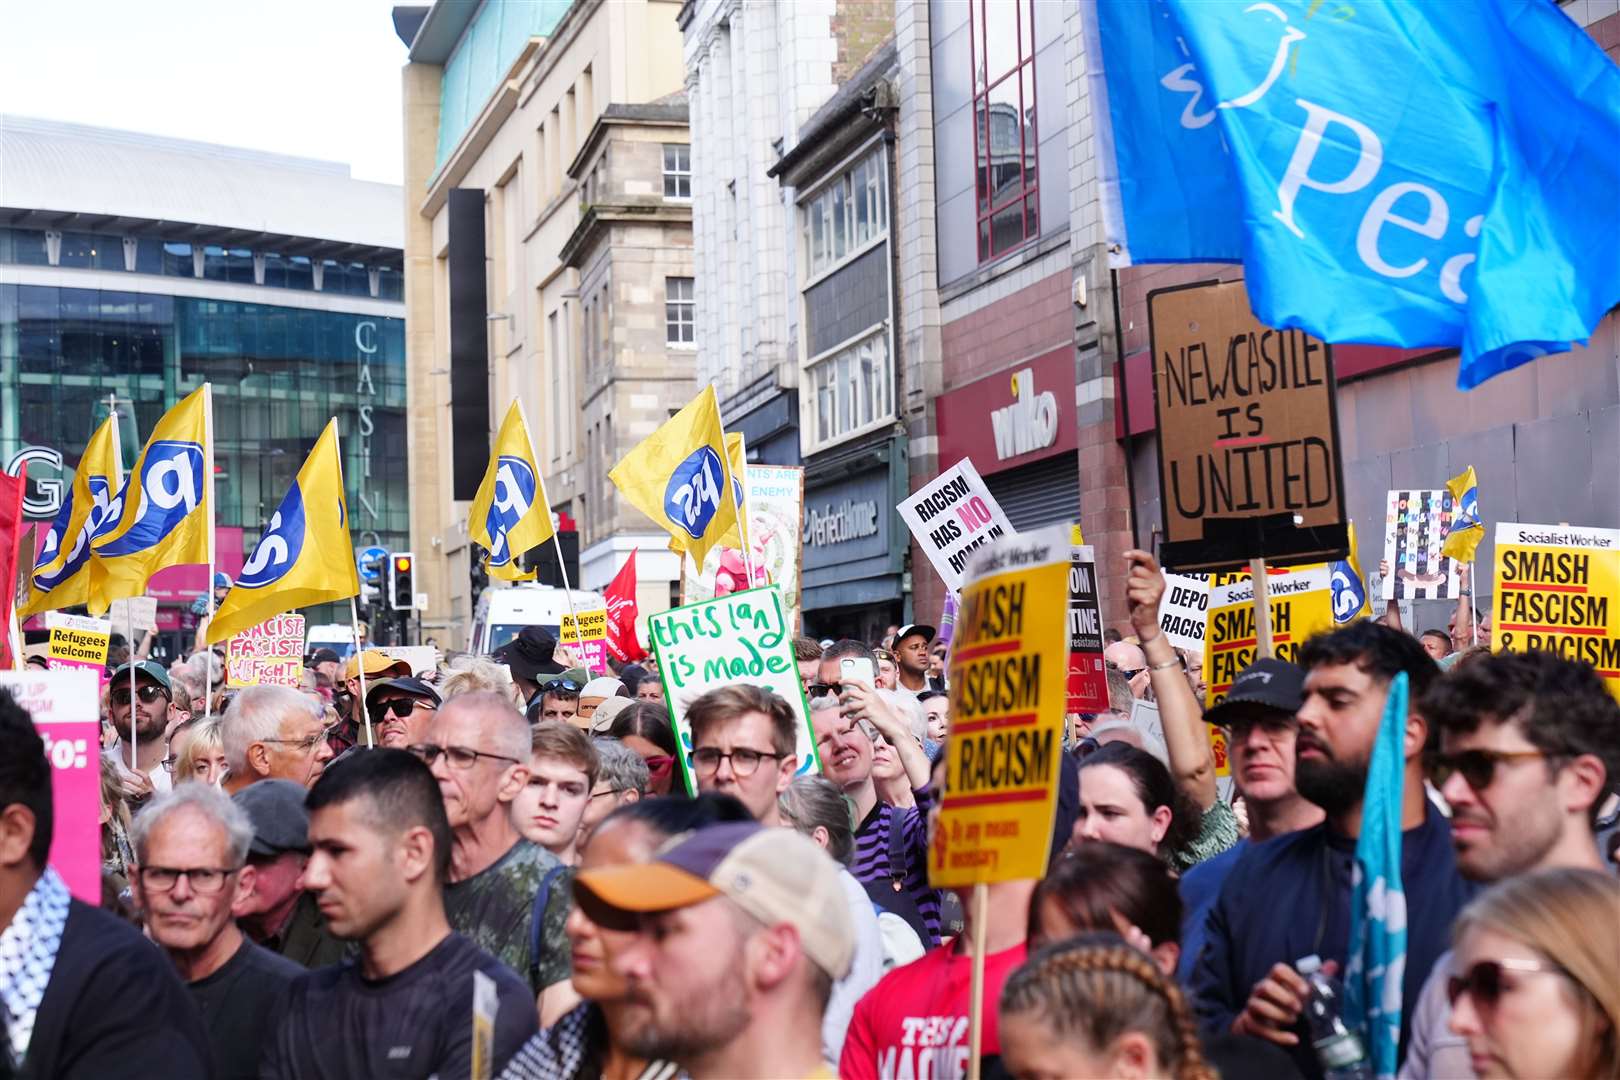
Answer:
(677, 171)
(852, 388)
(846, 215)
(680, 312)
(92, 251)
(23, 247)
(1004, 129)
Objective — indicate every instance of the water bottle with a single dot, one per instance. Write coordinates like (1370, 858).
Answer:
(1339, 1050)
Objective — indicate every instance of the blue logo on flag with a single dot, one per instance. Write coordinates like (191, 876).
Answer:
(278, 548)
(515, 488)
(171, 487)
(100, 497)
(693, 496)
(1349, 591)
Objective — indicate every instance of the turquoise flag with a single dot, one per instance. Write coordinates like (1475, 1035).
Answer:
(1377, 959)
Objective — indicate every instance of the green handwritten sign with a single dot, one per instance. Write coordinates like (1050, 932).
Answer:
(743, 637)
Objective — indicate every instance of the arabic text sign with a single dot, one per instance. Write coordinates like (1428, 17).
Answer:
(64, 707)
(1008, 692)
(270, 654)
(951, 517)
(740, 638)
(1088, 680)
(1301, 605)
(1557, 588)
(1248, 434)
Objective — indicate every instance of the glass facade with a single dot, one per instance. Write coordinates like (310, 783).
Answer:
(278, 373)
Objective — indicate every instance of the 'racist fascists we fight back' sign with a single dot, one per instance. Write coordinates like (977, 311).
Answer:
(1009, 664)
(1248, 433)
(1557, 588)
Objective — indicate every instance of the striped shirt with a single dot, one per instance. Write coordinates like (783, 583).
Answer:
(873, 864)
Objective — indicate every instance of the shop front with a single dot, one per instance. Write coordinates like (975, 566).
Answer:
(1019, 428)
(854, 543)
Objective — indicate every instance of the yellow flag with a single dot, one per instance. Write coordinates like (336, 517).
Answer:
(164, 514)
(510, 513)
(62, 576)
(1351, 599)
(679, 477)
(737, 458)
(304, 557)
(1467, 530)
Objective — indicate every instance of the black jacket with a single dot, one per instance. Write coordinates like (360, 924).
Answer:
(114, 1007)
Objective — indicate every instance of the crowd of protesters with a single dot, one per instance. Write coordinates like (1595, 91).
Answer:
(281, 898)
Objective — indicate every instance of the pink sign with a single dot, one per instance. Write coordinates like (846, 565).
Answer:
(64, 707)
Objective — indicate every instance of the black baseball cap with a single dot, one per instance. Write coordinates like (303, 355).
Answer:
(276, 808)
(914, 628)
(1273, 684)
(322, 656)
(408, 685)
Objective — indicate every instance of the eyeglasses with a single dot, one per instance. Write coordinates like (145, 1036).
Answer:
(554, 685)
(119, 695)
(607, 791)
(202, 879)
(1484, 982)
(460, 757)
(743, 760)
(308, 742)
(1478, 767)
(169, 763)
(400, 707)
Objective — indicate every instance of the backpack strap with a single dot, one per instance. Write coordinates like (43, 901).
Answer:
(537, 921)
(898, 862)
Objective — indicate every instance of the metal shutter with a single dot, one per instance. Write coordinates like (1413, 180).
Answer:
(1044, 493)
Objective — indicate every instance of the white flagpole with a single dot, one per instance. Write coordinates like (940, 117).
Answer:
(562, 564)
(118, 482)
(208, 493)
(354, 608)
(738, 501)
(1473, 611)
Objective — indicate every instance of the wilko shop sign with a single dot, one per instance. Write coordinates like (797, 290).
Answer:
(1021, 414)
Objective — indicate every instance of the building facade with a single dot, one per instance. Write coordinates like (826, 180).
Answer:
(135, 268)
(501, 101)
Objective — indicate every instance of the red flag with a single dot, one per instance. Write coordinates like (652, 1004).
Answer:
(621, 613)
(12, 490)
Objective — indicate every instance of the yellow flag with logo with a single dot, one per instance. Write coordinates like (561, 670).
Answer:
(304, 557)
(61, 577)
(737, 458)
(510, 514)
(163, 515)
(679, 477)
(1467, 530)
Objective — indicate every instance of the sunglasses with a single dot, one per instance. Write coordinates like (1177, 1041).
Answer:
(119, 695)
(400, 707)
(561, 684)
(1485, 984)
(1478, 767)
(824, 689)
(658, 766)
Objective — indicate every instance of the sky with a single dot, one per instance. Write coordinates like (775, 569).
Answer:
(312, 78)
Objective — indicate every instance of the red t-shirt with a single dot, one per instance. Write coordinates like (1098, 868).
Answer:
(914, 1022)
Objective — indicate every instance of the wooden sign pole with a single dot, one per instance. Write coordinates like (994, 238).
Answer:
(1262, 610)
(981, 919)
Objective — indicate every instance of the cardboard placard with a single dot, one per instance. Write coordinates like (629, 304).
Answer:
(1088, 679)
(422, 658)
(774, 498)
(1300, 600)
(135, 612)
(1557, 588)
(63, 706)
(1415, 526)
(1184, 610)
(740, 638)
(1248, 433)
(951, 517)
(78, 641)
(590, 641)
(270, 654)
(1008, 692)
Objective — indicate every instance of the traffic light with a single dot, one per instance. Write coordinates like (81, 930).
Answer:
(401, 581)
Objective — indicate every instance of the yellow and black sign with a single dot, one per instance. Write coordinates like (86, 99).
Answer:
(1557, 589)
(1301, 605)
(1009, 675)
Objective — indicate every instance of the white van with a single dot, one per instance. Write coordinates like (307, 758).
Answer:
(503, 612)
(339, 637)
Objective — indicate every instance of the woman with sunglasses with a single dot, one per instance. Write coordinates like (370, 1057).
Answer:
(1536, 977)
(644, 728)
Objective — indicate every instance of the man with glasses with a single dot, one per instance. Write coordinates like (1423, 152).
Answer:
(1130, 661)
(191, 846)
(744, 744)
(1529, 750)
(1243, 980)
(150, 703)
(622, 777)
(477, 747)
(399, 710)
(274, 732)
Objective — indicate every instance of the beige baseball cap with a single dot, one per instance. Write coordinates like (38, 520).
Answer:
(776, 875)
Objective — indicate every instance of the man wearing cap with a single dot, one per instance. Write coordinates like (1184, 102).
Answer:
(911, 656)
(558, 700)
(1258, 714)
(400, 710)
(593, 694)
(324, 661)
(739, 933)
(529, 658)
(276, 912)
(150, 704)
(378, 666)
